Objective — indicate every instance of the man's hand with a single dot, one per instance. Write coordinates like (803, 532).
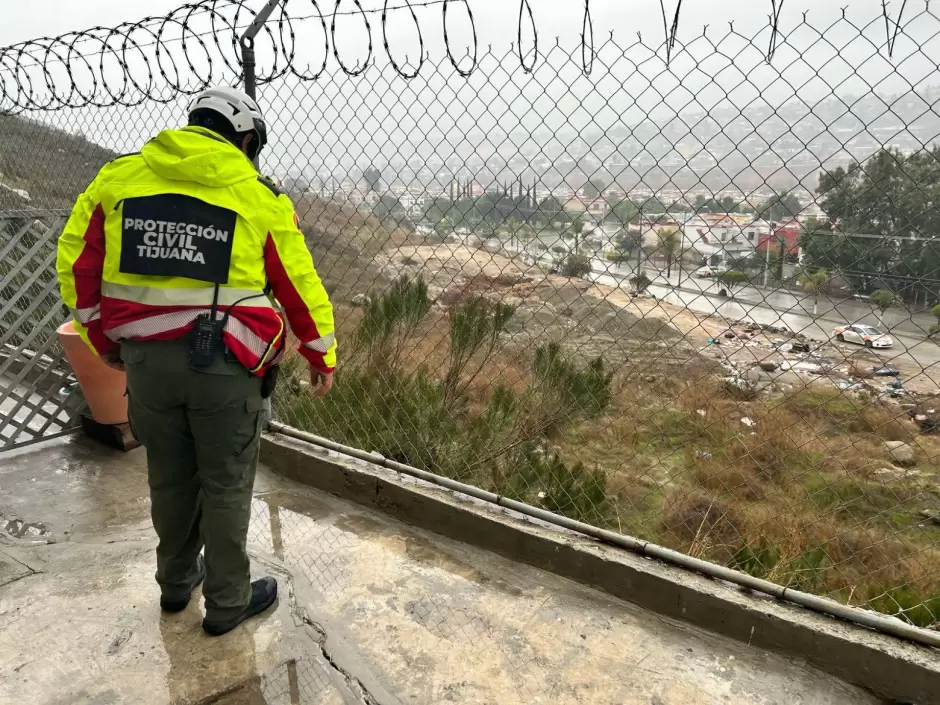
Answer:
(321, 382)
(113, 360)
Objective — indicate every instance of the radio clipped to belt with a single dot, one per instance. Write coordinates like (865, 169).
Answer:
(206, 338)
(206, 341)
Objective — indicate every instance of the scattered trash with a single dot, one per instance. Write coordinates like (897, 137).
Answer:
(861, 372)
(930, 515)
(798, 347)
(702, 454)
(740, 388)
(749, 422)
(927, 420)
(700, 412)
(887, 372)
(802, 366)
(783, 347)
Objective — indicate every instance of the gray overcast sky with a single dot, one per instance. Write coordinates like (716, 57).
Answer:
(496, 18)
(699, 79)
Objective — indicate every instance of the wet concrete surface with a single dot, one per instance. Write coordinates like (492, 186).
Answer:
(371, 612)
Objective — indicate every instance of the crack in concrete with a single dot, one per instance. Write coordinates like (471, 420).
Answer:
(19, 577)
(354, 684)
(231, 690)
(31, 573)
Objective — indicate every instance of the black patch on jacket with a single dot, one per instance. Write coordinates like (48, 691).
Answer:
(171, 235)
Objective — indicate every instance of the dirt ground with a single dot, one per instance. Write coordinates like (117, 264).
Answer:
(595, 318)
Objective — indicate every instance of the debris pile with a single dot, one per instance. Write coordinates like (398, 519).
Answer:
(764, 359)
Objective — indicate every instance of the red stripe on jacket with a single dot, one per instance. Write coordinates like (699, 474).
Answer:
(87, 271)
(298, 314)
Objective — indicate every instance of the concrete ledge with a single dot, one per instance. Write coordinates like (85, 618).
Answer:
(891, 668)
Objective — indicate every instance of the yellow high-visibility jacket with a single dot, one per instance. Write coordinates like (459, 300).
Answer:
(155, 232)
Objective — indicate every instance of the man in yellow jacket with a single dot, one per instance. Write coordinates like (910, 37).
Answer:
(171, 264)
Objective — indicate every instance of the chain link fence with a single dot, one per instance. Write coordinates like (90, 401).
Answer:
(685, 291)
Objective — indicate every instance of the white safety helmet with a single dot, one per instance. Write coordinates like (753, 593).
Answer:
(237, 108)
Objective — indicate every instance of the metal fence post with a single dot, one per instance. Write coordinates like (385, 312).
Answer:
(247, 43)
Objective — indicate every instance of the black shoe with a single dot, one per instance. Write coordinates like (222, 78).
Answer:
(263, 595)
(178, 605)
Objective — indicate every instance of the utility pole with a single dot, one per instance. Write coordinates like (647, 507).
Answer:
(766, 262)
(247, 43)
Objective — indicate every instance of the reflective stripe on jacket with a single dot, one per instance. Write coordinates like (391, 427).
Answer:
(126, 275)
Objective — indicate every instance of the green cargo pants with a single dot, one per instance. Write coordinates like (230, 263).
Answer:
(201, 430)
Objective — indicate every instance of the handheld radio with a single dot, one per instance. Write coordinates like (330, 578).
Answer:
(206, 336)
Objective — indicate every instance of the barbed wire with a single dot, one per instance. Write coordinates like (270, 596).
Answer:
(892, 36)
(388, 50)
(197, 45)
(670, 31)
(775, 10)
(524, 6)
(587, 47)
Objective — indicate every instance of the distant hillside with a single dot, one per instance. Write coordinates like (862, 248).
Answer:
(50, 165)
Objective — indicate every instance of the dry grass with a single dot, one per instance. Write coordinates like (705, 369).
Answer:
(786, 487)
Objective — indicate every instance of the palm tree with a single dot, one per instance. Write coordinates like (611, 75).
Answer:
(577, 227)
(670, 243)
(813, 284)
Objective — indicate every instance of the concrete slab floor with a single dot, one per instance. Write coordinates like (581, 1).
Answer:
(371, 612)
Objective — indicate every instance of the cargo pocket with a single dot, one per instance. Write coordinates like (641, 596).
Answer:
(254, 423)
(132, 356)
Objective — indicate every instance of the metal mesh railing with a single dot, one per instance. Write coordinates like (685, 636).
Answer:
(38, 394)
(684, 291)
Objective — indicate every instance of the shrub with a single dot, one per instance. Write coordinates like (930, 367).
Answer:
(640, 283)
(806, 571)
(904, 602)
(575, 265)
(475, 327)
(732, 280)
(430, 423)
(542, 478)
(567, 394)
(389, 322)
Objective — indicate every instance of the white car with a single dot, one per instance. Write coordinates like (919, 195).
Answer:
(863, 335)
(707, 272)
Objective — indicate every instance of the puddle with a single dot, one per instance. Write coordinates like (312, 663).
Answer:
(312, 538)
(309, 545)
(296, 682)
